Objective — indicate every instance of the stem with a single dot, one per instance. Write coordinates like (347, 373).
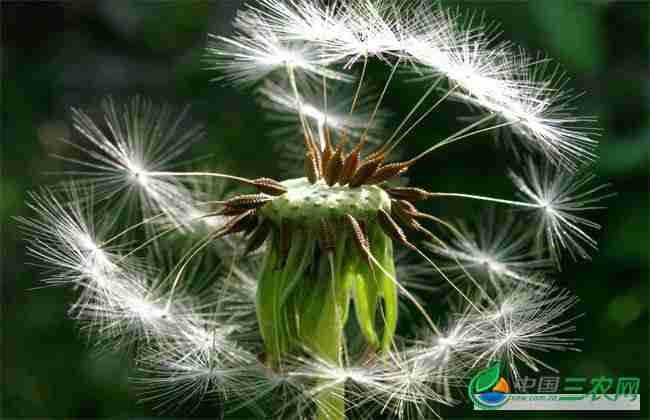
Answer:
(360, 84)
(321, 133)
(414, 109)
(490, 199)
(451, 283)
(210, 174)
(188, 258)
(380, 100)
(420, 119)
(330, 401)
(133, 227)
(327, 340)
(303, 121)
(155, 237)
(463, 133)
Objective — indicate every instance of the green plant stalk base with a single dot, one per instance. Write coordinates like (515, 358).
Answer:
(304, 294)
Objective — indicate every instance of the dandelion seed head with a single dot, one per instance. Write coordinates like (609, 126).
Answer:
(268, 331)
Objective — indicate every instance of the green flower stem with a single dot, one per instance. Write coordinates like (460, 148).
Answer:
(382, 250)
(304, 297)
(322, 322)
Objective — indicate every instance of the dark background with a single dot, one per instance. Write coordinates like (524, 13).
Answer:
(61, 54)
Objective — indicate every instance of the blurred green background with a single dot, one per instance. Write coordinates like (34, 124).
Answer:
(56, 55)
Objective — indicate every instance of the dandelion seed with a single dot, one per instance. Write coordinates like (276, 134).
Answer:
(525, 321)
(542, 114)
(450, 352)
(560, 197)
(74, 251)
(406, 387)
(257, 49)
(498, 248)
(138, 140)
(300, 21)
(133, 310)
(274, 391)
(370, 33)
(464, 54)
(179, 375)
(63, 237)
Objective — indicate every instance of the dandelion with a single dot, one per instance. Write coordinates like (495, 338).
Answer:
(298, 314)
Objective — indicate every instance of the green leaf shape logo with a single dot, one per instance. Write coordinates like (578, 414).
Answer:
(486, 379)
